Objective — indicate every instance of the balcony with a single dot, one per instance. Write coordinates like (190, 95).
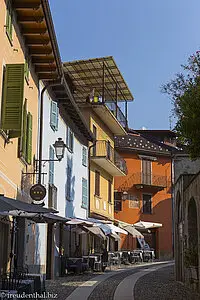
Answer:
(104, 155)
(141, 180)
(111, 114)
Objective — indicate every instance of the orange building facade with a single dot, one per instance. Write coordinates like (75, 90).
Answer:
(145, 193)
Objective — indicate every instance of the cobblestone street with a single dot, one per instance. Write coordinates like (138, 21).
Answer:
(140, 282)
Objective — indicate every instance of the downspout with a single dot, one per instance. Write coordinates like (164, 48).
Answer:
(89, 179)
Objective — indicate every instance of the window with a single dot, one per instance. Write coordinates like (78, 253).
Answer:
(108, 150)
(25, 141)
(9, 25)
(109, 191)
(97, 183)
(84, 156)
(146, 199)
(54, 114)
(146, 171)
(118, 201)
(84, 193)
(70, 139)
(13, 96)
(69, 176)
(51, 165)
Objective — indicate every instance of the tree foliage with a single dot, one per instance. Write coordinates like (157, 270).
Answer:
(184, 92)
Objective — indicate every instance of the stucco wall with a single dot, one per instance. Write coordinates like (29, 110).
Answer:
(10, 166)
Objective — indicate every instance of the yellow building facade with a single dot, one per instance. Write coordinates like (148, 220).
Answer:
(98, 85)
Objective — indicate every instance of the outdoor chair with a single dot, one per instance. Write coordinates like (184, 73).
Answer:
(85, 264)
(74, 266)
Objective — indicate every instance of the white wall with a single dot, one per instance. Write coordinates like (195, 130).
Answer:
(66, 208)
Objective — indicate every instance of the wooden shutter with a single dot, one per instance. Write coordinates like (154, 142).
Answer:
(146, 171)
(84, 156)
(84, 193)
(97, 183)
(23, 139)
(13, 93)
(51, 165)
(9, 21)
(54, 115)
(29, 139)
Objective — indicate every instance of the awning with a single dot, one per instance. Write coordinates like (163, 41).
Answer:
(115, 236)
(9, 206)
(79, 222)
(48, 218)
(96, 231)
(116, 229)
(147, 225)
(134, 232)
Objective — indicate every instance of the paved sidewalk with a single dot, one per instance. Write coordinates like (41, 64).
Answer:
(161, 285)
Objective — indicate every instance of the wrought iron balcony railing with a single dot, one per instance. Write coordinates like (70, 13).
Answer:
(103, 149)
(114, 109)
(145, 179)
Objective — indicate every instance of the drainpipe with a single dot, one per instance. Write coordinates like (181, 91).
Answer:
(89, 179)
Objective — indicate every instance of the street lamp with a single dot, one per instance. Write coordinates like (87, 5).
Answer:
(59, 146)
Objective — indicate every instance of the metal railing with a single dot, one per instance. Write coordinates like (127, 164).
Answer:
(116, 111)
(148, 179)
(104, 149)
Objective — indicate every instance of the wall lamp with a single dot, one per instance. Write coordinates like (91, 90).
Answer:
(59, 146)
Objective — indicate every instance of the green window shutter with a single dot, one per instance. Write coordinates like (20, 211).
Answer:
(84, 193)
(84, 156)
(26, 70)
(57, 118)
(51, 165)
(9, 28)
(54, 115)
(29, 139)
(23, 139)
(13, 93)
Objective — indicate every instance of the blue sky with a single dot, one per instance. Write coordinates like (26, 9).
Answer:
(148, 39)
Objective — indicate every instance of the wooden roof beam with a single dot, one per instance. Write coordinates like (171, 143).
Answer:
(40, 51)
(48, 76)
(30, 19)
(45, 68)
(22, 4)
(43, 60)
(37, 41)
(33, 30)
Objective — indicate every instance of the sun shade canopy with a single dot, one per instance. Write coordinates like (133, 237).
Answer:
(134, 232)
(87, 75)
(79, 222)
(147, 225)
(15, 207)
(96, 231)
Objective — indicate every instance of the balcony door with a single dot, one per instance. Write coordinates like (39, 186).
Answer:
(146, 172)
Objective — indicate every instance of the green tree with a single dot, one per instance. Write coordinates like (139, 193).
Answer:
(184, 92)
